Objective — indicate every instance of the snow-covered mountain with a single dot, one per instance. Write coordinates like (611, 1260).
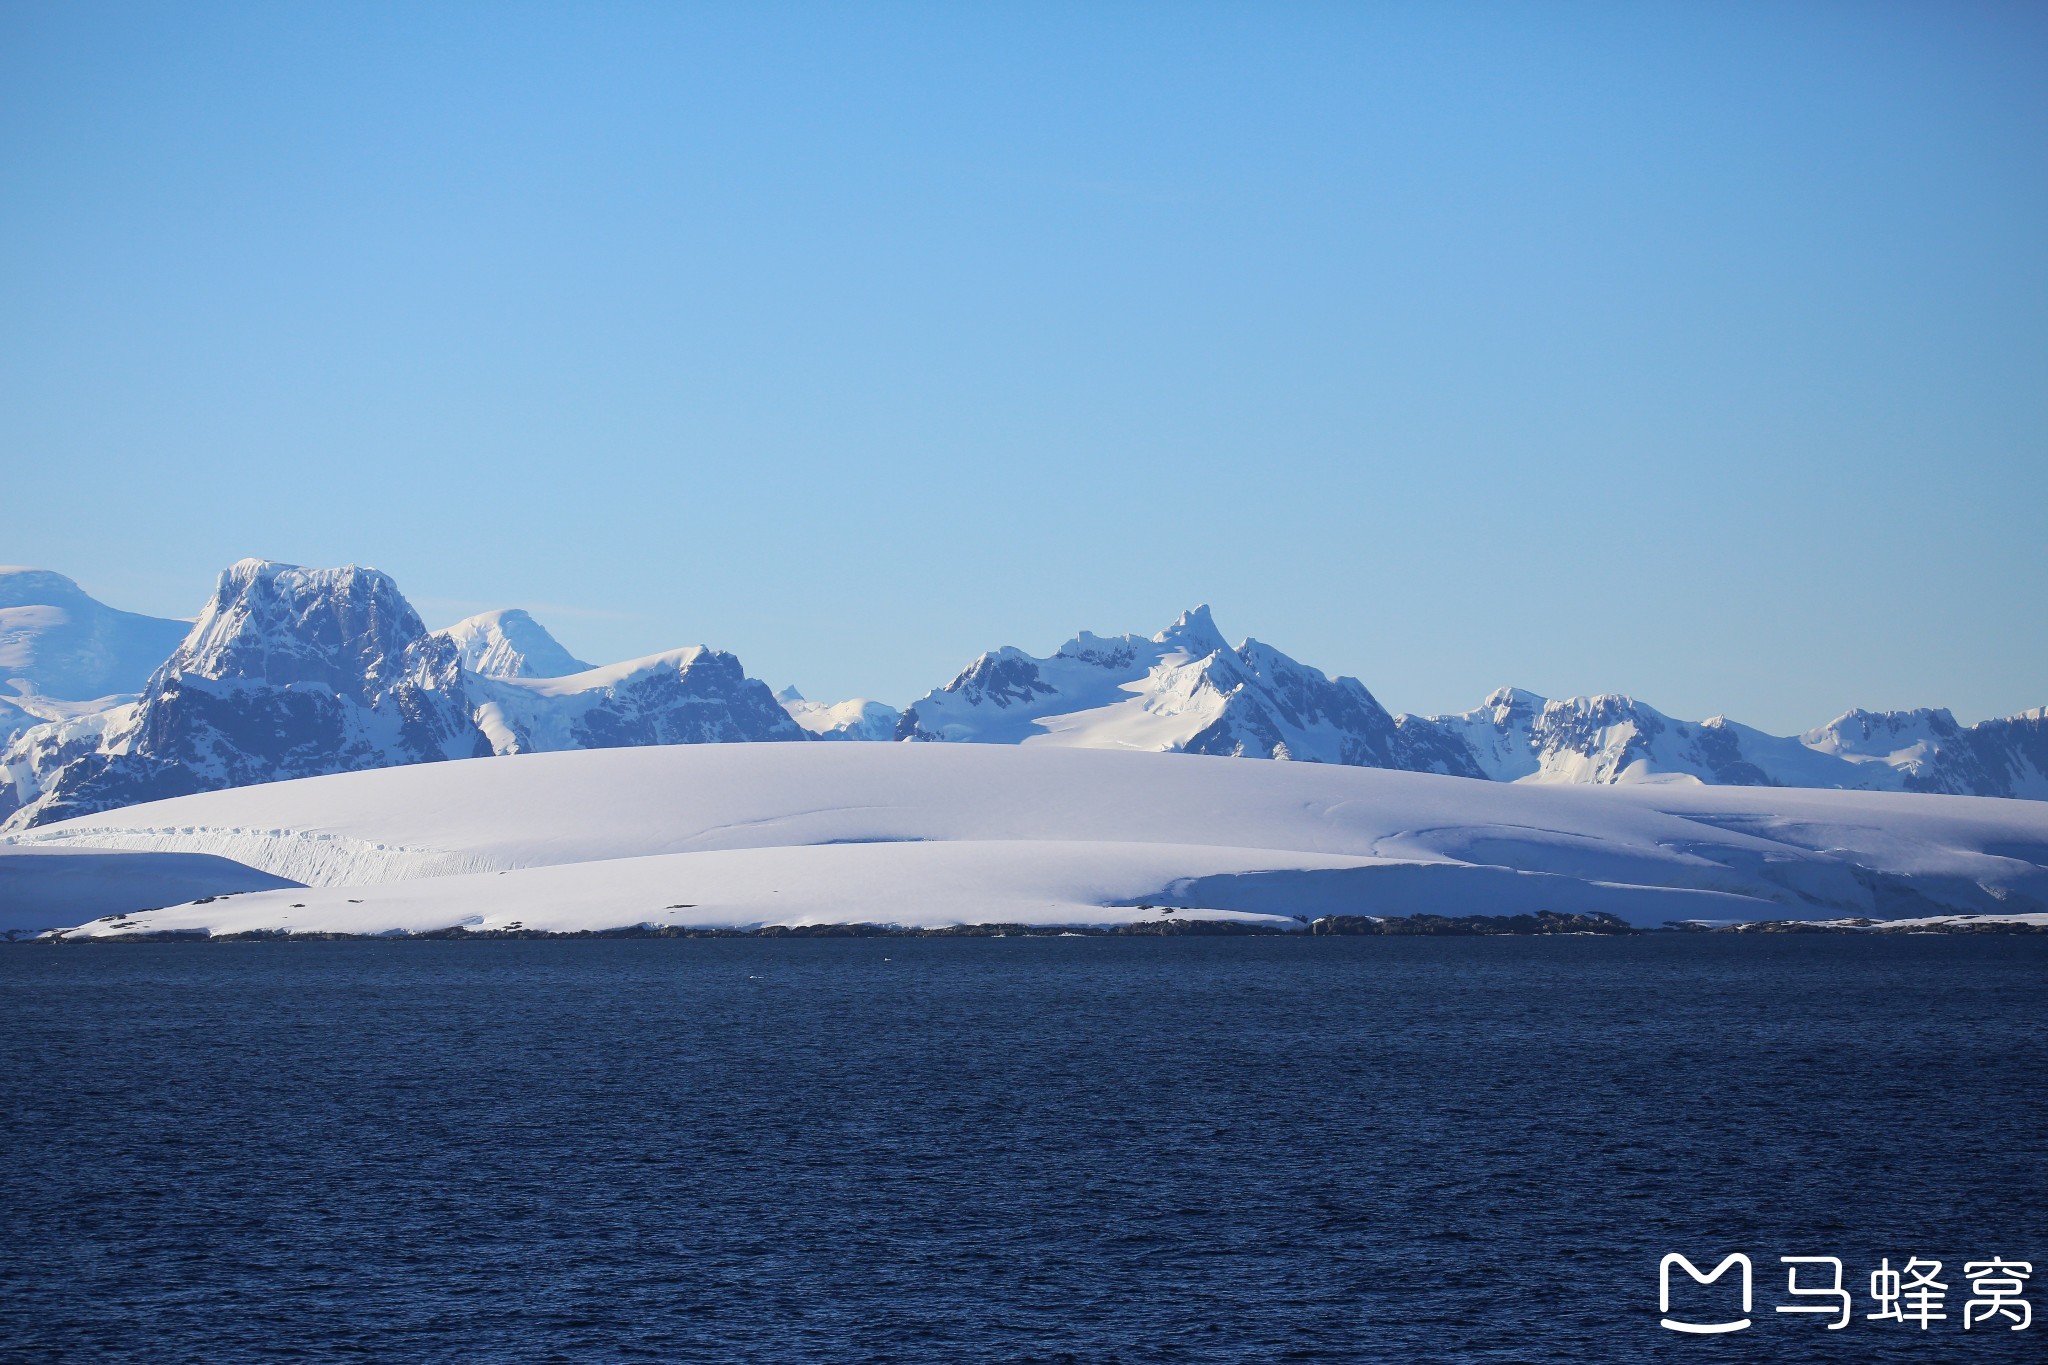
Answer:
(686, 696)
(860, 718)
(288, 672)
(1930, 752)
(511, 644)
(293, 672)
(1184, 690)
(1517, 736)
(64, 654)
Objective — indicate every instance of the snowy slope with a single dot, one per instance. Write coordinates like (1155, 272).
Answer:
(22, 710)
(60, 642)
(928, 833)
(63, 654)
(510, 644)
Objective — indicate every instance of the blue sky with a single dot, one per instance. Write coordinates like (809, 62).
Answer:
(1697, 352)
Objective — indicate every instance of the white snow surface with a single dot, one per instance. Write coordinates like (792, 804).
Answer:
(746, 835)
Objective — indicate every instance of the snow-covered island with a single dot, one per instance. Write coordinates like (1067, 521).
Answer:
(917, 835)
(310, 758)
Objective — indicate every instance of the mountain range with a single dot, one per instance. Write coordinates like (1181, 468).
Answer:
(293, 672)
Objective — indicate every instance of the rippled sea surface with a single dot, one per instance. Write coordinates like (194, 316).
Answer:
(1005, 1149)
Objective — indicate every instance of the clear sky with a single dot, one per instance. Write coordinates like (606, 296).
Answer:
(1698, 352)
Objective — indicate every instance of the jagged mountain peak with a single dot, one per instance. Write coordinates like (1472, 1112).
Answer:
(347, 629)
(1514, 701)
(1193, 632)
(1878, 733)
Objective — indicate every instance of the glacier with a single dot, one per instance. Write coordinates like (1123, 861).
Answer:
(926, 835)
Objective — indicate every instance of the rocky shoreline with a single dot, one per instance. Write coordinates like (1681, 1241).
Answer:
(1544, 923)
(1957, 924)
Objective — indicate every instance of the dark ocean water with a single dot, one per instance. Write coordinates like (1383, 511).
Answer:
(1005, 1149)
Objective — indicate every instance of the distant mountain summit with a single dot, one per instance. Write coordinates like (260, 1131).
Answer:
(61, 649)
(1184, 690)
(858, 719)
(510, 644)
(530, 695)
(1517, 736)
(685, 696)
(1931, 752)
